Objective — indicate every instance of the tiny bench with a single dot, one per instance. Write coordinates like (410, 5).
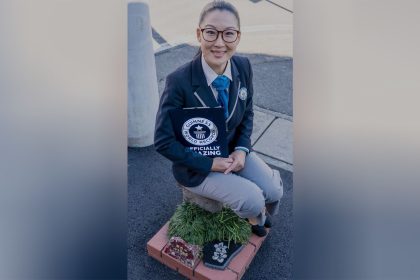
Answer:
(208, 204)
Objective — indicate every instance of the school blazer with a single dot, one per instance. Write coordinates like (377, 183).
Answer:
(187, 87)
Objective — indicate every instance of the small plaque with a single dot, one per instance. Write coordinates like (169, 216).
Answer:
(182, 251)
(218, 254)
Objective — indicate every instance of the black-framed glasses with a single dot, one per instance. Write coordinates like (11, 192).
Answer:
(228, 35)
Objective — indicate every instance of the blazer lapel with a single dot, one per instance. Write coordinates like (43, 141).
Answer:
(199, 82)
(234, 87)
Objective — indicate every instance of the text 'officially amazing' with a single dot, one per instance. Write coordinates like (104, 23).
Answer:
(207, 151)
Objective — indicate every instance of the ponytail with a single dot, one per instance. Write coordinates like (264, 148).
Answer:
(198, 53)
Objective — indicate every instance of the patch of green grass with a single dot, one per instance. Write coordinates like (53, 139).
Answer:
(198, 226)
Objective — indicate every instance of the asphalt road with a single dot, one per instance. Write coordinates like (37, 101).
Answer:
(152, 199)
(272, 76)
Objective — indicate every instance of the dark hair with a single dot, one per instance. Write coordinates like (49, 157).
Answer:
(220, 5)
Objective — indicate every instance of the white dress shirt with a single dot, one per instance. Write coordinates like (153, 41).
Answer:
(211, 75)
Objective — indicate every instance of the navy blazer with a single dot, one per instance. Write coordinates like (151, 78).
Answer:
(187, 87)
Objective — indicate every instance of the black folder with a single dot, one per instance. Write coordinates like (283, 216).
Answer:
(202, 130)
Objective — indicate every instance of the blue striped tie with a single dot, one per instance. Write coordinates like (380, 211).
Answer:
(221, 84)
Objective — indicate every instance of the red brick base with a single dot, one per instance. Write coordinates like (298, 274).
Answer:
(235, 270)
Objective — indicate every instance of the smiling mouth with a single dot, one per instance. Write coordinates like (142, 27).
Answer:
(218, 53)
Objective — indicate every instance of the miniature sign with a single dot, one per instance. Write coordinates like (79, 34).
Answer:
(218, 254)
(182, 251)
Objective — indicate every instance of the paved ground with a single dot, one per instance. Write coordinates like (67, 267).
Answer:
(270, 23)
(152, 193)
(152, 199)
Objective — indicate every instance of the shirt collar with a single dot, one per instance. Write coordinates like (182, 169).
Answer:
(211, 75)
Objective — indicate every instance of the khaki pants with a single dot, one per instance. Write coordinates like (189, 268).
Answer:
(246, 192)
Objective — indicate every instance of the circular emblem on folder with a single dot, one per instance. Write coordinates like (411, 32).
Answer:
(199, 131)
(243, 93)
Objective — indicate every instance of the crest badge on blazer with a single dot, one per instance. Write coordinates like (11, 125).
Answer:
(243, 93)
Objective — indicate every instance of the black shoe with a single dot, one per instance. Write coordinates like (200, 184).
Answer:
(258, 230)
(268, 223)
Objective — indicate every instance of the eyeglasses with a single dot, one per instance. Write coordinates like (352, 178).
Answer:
(228, 35)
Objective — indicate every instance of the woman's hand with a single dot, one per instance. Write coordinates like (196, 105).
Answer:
(221, 164)
(238, 163)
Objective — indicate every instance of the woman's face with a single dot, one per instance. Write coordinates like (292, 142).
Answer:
(218, 52)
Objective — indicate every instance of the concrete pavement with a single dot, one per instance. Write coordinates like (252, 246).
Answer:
(270, 23)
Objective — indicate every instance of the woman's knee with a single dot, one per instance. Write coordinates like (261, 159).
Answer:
(253, 205)
(274, 192)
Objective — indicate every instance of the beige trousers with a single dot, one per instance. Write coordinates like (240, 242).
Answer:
(246, 192)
